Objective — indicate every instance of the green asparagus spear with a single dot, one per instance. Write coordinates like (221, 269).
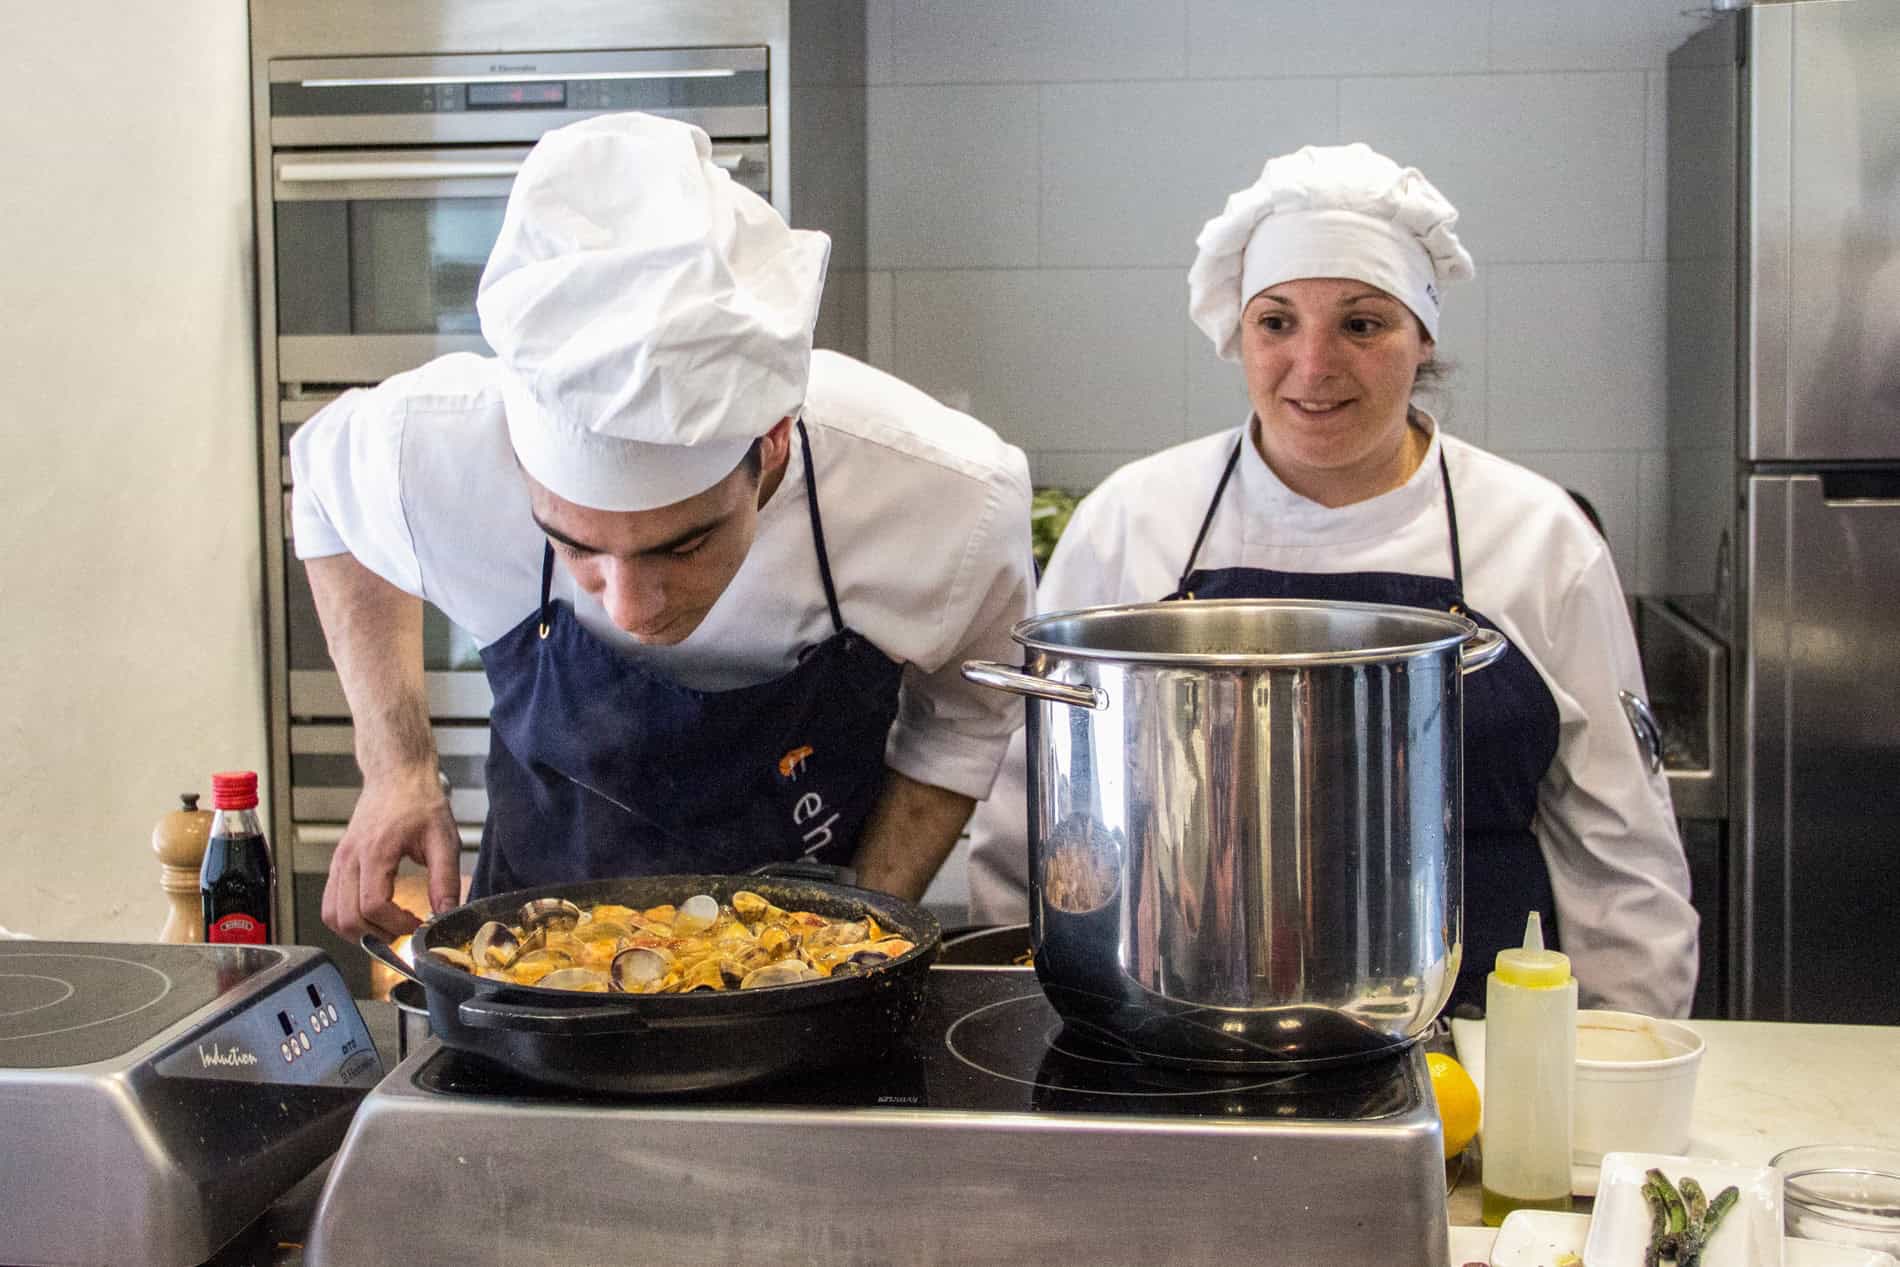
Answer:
(1694, 1199)
(1692, 1247)
(1658, 1224)
(1678, 1214)
(1718, 1208)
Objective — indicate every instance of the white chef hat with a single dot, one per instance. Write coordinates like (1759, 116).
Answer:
(655, 317)
(1326, 211)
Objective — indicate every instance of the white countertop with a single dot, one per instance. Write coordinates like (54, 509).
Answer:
(1763, 1087)
(1766, 1085)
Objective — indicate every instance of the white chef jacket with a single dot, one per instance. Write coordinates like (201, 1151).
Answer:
(1532, 564)
(925, 511)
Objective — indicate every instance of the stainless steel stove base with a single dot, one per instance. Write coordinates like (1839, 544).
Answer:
(424, 1177)
(156, 1155)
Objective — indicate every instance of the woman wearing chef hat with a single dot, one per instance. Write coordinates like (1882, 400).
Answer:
(708, 568)
(1323, 280)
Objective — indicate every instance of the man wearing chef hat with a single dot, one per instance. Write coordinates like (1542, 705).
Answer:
(722, 583)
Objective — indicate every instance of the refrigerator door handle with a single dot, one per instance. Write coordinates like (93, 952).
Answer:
(1861, 488)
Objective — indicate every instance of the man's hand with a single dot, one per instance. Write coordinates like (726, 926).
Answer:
(404, 816)
(374, 631)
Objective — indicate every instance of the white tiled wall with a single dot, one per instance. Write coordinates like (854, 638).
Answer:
(1039, 169)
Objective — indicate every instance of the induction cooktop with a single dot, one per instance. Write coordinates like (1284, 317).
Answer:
(157, 1097)
(994, 1134)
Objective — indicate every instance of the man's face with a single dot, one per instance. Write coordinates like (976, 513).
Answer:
(659, 572)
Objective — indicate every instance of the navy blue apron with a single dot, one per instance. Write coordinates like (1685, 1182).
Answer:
(598, 767)
(1510, 737)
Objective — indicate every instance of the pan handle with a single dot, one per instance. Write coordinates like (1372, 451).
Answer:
(1003, 678)
(485, 1012)
(799, 869)
(1480, 649)
(385, 954)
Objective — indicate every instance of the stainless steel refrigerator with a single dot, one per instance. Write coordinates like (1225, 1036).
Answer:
(1784, 452)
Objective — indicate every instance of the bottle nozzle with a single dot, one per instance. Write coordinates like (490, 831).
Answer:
(1531, 964)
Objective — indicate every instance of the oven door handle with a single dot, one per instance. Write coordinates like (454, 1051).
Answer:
(316, 173)
(319, 172)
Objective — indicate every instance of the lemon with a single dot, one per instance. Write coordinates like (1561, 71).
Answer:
(1457, 1098)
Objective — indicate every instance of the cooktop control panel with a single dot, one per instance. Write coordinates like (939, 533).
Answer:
(304, 1032)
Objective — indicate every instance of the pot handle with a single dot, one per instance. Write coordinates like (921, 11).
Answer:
(1003, 678)
(487, 1012)
(385, 954)
(1480, 649)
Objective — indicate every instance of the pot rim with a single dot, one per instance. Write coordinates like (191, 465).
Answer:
(1459, 629)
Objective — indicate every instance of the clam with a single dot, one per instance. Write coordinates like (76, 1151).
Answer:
(704, 975)
(868, 958)
(784, 972)
(752, 908)
(575, 979)
(602, 930)
(495, 945)
(550, 913)
(637, 970)
(696, 914)
(529, 968)
(453, 957)
(840, 934)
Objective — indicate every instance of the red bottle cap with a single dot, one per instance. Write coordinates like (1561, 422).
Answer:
(234, 789)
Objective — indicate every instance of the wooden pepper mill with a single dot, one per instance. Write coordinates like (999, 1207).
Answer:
(179, 841)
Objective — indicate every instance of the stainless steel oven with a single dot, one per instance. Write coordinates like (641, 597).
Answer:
(380, 246)
(386, 141)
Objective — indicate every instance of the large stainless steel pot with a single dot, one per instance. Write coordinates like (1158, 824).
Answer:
(1246, 822)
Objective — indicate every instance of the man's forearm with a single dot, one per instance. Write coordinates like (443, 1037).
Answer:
(912, 829)
(374, 632)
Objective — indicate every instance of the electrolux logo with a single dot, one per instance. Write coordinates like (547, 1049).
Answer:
(503, 68)
(227, 1057)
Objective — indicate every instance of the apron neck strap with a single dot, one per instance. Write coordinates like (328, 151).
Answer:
(818, 529)
(1207, 520)
(547, 585)
(1451, 528)
(1213, 504)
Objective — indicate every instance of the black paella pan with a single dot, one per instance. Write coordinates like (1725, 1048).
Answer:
(671, 1043)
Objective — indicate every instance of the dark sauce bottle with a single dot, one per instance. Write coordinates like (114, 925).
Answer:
(237, 883)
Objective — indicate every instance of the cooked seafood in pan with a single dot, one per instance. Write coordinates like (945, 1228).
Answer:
(696, 945)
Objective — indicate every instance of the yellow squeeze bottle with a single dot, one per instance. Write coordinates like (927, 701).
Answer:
(1530, 1061)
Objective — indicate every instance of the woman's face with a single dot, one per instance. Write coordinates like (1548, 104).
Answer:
(1330, 364)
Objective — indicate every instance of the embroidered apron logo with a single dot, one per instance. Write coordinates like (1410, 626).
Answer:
(809, 807)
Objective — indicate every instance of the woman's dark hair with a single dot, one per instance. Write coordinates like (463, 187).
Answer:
(1430, 378)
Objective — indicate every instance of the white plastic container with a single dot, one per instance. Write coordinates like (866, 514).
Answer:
(1530, 1056)
(1635, 1089)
